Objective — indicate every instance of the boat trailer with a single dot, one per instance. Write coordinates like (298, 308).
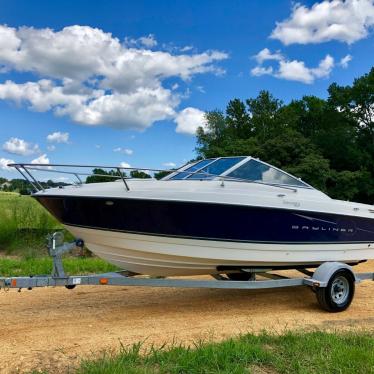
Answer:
(333, 282)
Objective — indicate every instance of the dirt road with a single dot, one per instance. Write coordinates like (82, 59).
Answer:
(54, 328)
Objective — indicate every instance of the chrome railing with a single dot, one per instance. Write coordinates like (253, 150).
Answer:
(26, 171)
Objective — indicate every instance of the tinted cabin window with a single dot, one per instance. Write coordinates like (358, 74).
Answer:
(192, 168)
(258, 172)
(217, 167)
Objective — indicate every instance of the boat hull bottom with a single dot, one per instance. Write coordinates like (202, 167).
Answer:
(167, 256)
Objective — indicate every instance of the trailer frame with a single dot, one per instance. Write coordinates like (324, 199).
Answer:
(320, 280)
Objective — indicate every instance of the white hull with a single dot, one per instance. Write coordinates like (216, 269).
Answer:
(155, 255)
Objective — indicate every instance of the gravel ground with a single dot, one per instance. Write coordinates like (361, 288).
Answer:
(53, 328)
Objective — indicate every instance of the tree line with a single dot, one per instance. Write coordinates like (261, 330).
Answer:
(23, 187)
(329, 142)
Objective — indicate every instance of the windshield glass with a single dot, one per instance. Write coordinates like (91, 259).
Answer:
(259, 172)
(194, 167)
(217, 167)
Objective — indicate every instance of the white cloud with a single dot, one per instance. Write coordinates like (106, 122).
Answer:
(345, 61)
(265, 55)
(20, 147)
(98, 146)
(58, 137)
(186, 48)
(257, 71)
(124, 165)
(343, 20)
(4, 164)
(324, 68)
(292, 69)
(297, 71)
(189, 119)
(169, 164)
(106, 83)
(125, 151)
(42, 159)
(51, 148)
(148, 41)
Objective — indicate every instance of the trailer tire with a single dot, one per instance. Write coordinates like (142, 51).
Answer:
(338, 294)
(70, 286)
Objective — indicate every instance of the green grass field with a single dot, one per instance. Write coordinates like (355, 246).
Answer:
(301, 353)
(43, 265)
(24, 225)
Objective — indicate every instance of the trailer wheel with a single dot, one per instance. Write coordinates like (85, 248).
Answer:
(70, 286)
(339, 292)
(242, 276)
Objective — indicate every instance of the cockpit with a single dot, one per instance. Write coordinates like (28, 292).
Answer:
(241, 168)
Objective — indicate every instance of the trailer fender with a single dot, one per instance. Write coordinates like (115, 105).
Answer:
(325, 271)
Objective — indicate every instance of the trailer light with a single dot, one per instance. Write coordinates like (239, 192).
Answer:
(14, 283)
(103, 280)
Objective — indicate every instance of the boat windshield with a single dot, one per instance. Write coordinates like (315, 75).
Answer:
(238, 168)
(215, 168)
(257, 171)
(208, 168)
(195, 167)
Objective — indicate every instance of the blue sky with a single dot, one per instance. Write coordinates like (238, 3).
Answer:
(127, 82)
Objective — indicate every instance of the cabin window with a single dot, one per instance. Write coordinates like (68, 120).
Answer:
(194, 167)
(257, 171)
(217, 167)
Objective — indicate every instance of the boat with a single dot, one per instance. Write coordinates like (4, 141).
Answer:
(224, 215)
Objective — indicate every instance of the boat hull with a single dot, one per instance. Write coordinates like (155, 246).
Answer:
(166, 237)
(209, 221)
(162, 256)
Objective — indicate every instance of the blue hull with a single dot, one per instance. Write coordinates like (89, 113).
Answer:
(208, 221)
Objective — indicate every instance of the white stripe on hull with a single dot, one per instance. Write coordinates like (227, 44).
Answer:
(155, 255)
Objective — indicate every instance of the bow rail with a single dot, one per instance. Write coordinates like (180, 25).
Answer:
(26, 169)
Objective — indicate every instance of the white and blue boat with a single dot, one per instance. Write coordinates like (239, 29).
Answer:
(219, 215)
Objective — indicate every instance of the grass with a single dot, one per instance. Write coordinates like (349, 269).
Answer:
(302, 353)
(43, 265)
(24, 224)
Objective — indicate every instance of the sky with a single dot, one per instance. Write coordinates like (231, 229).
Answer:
(127, 83)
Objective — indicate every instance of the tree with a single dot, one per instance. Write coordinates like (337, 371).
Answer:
(18, 185)
(238, 120)
(328, 143)
(313, 168)
(264, 111)
(356, 105)
(161, 174)
(101, 175)
(356, 101)
(139, 174)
